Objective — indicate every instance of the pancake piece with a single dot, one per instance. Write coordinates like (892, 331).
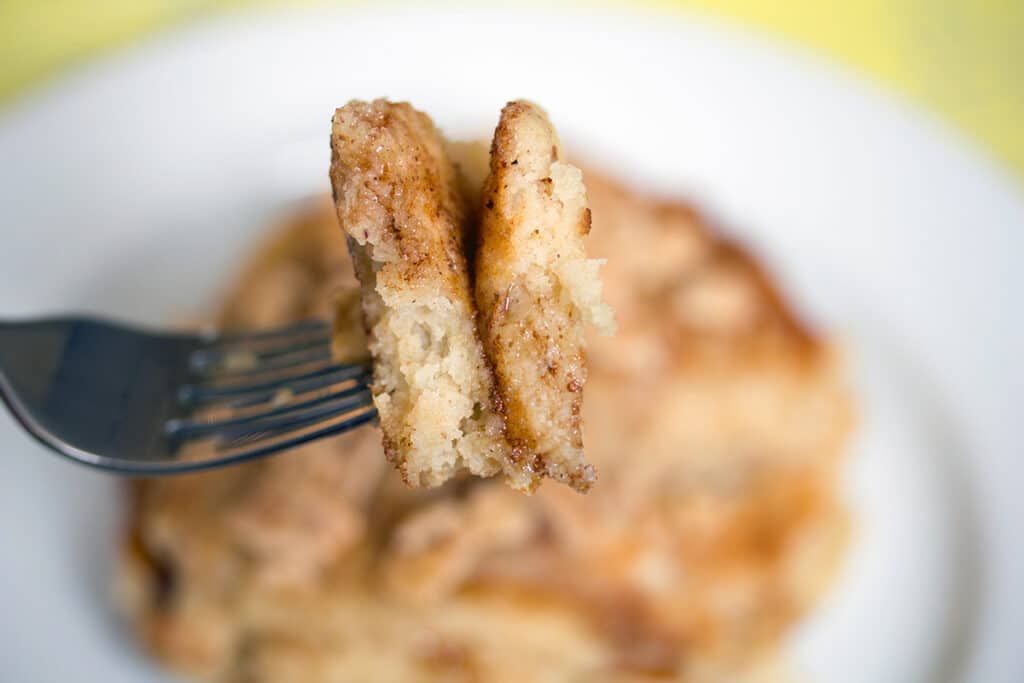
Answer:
(535, 289)
(501, 392)
(398, 199)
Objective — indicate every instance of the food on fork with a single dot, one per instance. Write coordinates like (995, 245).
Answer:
(505, 396)
(535, 288)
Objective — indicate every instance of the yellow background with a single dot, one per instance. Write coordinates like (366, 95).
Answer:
(961, 58)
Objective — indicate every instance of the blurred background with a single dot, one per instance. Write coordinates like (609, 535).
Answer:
(962, 59)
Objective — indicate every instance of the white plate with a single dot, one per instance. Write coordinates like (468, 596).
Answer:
(132, 187)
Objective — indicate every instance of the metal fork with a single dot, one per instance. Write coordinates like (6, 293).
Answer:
(135, 402)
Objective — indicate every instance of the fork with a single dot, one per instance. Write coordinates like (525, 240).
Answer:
(138, 402)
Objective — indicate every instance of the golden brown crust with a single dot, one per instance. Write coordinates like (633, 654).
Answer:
(535, 290)
(397, 196)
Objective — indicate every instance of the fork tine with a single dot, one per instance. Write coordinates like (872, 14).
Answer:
(303, 327)
(291, 421)
(192, 429)
(335, 373)
(247, 357)
(262, 449)
(253, 364)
